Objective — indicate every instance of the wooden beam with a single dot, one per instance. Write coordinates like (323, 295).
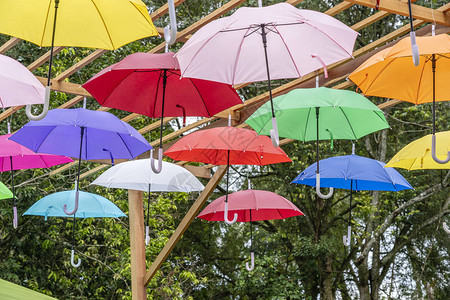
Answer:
(187, 220)
(137, 244)
(401, 8)
(9, 44)
(65, 87)
(79, 65)
(41, 60)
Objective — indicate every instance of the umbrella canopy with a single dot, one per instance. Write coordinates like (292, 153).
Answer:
(225, 146)
(18, 86)
(99, 134)
(138, 84)
(5, 193)
(251, 205)
(90, 206)
(136, 175)
(417, 154)
(105, 24)
(354, 172)
(342, 114)
(13, 291)
(383, 73)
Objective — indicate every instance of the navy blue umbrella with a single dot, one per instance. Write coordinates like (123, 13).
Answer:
(354, 173)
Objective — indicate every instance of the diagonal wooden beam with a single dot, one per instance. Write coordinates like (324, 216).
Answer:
(9, 44)
(184, 224)
(43, 59)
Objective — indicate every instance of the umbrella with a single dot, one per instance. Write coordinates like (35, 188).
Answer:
(320, 114)
(135, 175)
(354, 173)
(14, 156)
(417, 154)
(18, 86)
(382, 75)
(84, 134)
(250, 205)
(138, 84)
(225, 146)
(105, 24)
(5, 193)
(89, 206)
(274, 42)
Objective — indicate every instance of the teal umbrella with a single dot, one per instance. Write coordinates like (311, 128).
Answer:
(89, 206)
(320, 114)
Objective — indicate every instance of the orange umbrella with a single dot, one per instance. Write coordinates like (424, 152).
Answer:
(390, 74)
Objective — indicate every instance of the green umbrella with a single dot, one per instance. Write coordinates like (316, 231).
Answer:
(320, 114)
(13, 291)
(5, 193)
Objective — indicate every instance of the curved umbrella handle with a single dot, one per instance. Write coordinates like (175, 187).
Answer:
(252, 262)
(225, 215)
(147, 235)
(77, 194)
(325, 71)
(170, 31)
(72, 262)
(318, 189)
(15, 220)
(347, 239)
(433, 152)
(414, 49)
(44, 111)
(158, 169)
(446, 229)
(274, 133)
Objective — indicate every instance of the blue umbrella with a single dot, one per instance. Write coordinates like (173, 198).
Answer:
(354, 173)
(82, 133)
(89, 206)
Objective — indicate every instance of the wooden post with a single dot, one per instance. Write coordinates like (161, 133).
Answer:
(137, 244)
(187, 220)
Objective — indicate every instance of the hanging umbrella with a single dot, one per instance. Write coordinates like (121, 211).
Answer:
(84, 134)
(5, 193)
(14, 156)
(135, 175)
(417, 154)
(105, 24)
(225, 146)
(18, 86)
(354, 173)
(274, 42)
(89, 206)
(138, 84)
(320, 114)
(382, 75)
(250, 205)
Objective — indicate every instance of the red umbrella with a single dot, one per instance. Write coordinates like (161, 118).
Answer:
(225, 146)
(251, 205)
(138, 84)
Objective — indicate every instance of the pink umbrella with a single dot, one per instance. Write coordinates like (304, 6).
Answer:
(251, 205)
(14, 156)
(264, 43)
(18, 86)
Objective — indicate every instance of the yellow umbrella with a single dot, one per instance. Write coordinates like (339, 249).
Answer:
(390, 74)
(417, 155)
(105, 24)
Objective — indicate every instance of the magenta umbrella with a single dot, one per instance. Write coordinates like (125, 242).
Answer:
(251, 205)
(264, 43)
(14, 156)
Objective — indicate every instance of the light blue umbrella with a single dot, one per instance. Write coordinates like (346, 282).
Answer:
(89, 206)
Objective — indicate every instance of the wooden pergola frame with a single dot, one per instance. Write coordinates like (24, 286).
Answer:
(337, 74)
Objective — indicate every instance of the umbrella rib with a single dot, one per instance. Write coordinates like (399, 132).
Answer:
(156, 95)
(306, 124)
(290, 55)
(348, 121)
(125, 145)
(45, 23)
(376, 76)
(420, 81)
(238, 54)
(104, 24)
(37, 150)
(206, 107)
(117, 85)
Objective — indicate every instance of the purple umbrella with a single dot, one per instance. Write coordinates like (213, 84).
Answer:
(82, 133)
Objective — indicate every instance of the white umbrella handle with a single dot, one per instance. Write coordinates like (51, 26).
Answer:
(147, 235)
(347, 239)
(433, 152)
(44, 111)
(77, 194)
(318, 189)
(72, 262)
(170, 31)
(414, 48)
(446, 229)
(252, 262)
(274, 133)
(225, 215)
(15, 220)
(158, 169)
